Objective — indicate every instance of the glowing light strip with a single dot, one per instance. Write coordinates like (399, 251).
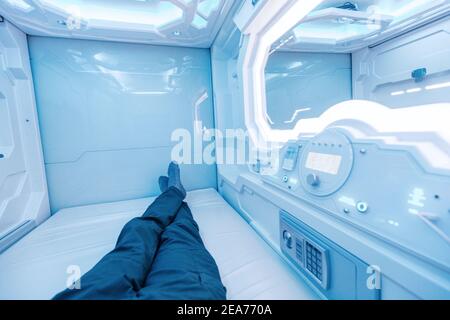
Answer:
(158, 15)
(430, 87)
(412, 90)
(294, 116)
(438, 86)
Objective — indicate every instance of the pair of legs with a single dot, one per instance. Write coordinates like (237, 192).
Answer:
(157, 256)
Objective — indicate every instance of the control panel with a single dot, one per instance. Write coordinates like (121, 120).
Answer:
(381, 189)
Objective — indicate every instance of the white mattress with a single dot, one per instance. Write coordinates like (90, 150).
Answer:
(37, 266)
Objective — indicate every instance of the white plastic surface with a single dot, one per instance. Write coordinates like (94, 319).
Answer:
(39, 265)
(23, 187)
(383, 74)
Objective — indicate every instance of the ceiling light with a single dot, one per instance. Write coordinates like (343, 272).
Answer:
(198, 22)
(397, 93)
(156, 14)
(438, 86)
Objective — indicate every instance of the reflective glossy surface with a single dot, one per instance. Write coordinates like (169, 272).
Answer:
(107, 112)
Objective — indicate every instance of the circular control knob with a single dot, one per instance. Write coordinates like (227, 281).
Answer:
(285, 179)
(287, 237)
(313, 179)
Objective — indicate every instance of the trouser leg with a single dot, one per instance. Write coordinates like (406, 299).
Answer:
(183, 267)
(121, 273)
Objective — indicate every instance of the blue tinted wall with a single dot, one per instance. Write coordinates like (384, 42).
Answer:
(107, 112)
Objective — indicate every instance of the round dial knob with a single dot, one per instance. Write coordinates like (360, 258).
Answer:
(313, 179)
(287, 237)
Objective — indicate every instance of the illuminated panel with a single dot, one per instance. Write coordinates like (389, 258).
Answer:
(207, 7)
(20, 4)
(328, 163)
(332, 31)
(157, 14)
(161, 22)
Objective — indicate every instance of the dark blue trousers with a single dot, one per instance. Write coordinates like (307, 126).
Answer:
(157, 256)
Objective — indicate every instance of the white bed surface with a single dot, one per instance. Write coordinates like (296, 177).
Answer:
(37, 266)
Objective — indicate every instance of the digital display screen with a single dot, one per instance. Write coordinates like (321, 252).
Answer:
(328, 163)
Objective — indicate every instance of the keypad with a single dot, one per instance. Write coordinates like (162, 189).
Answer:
(314, 260)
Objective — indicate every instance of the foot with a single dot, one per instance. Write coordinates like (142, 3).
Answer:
(163, 183)
(174, 177)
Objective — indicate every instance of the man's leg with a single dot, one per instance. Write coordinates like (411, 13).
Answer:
(183, 268)
(122, 272)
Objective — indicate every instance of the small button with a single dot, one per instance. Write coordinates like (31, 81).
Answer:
(362, 207)
(285, 179)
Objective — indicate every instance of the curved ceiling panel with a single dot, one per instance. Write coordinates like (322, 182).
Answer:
(345, 26)
(192, 23)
